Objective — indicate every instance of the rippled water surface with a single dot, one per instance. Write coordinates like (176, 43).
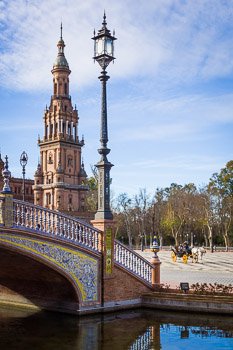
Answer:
(140, 329)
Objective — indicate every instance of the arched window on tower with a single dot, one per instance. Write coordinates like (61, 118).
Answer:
(69, 129)
(48, 198)
(55, 89)
(65, 88)
(51, 130)
(50, 160)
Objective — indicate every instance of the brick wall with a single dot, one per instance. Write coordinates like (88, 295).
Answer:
(123, 286)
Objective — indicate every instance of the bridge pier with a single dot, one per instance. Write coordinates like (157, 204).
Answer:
(119, 286)
(107, 249)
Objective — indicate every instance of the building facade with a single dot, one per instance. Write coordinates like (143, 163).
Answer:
(60, 178)
(16, 185)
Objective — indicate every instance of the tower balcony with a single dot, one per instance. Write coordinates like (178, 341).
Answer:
(60, 97)
(62, 137)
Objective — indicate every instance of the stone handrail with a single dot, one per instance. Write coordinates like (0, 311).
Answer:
(133, 262)
(42, 221)
(55, 224)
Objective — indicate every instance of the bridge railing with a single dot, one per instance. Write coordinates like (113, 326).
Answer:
(52, 223)
(28, 216)
(133, 262)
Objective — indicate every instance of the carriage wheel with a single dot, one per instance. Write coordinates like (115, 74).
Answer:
(185, 258)
(174, 257)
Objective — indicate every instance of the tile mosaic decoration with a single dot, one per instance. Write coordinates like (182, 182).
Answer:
(82, 268)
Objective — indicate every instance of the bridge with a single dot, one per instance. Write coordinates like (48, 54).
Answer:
(54, 261)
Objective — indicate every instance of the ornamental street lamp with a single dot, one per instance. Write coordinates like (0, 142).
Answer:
(23, 162)
(104, 54)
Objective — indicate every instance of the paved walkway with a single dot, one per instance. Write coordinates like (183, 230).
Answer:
(215, 267)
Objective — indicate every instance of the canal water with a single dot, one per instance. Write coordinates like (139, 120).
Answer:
(134, 330)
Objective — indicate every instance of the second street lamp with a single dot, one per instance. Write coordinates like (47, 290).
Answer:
(104, 54)
(23, 162)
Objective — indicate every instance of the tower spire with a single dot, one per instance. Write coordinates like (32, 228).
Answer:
(104, 20)
(61, 61)
(61, 31)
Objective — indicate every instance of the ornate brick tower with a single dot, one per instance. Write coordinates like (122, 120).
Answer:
(60, 177)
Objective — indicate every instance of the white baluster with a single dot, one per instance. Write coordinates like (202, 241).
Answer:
(90, 239)
(76, 232)
(53, 224)
(61, 226)
(49, 222)
(27, 217)
(36, 219)
(130, 261)
(116, 251)
(123, 256)
(57, 232)
(126, 258)
(22, 216)
(80, 237)
(72, 230)
(32, 218)
(18, 223)
(41, 220)
(45, 221)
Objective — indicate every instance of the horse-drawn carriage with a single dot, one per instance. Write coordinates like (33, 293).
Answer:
(184, 252)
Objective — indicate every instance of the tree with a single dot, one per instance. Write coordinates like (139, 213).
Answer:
(156, 214)
(92, 196)
(124, 208)
(141, 206)
(221, 186)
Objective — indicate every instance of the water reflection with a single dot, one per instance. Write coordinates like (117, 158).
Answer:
(135, 330)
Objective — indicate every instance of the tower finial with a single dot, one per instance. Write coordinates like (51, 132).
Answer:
(61, 31)
(104, 20)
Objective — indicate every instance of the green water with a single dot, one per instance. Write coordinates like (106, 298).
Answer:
(135, 330)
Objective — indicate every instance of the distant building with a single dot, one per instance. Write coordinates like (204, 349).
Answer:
(60, 178)
(16, 185)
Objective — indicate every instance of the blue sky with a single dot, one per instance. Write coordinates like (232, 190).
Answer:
(170, 95)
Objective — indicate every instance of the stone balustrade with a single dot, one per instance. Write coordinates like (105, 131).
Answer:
(133, 262)
(53, 223)
(42, 221)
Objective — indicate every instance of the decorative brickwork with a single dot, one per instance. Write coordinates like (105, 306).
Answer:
(123, 286)
(60, 178)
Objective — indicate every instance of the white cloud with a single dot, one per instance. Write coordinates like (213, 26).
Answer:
(172, 40)
(186, 118)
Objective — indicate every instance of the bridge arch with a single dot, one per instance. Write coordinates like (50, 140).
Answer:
(77, 268)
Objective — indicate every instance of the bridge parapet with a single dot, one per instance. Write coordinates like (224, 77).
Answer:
(133, 262)
(28, 216)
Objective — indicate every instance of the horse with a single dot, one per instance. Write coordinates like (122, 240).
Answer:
(197, 253)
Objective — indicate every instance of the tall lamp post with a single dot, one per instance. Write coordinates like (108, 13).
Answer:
(23, 162)
(104, 54)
